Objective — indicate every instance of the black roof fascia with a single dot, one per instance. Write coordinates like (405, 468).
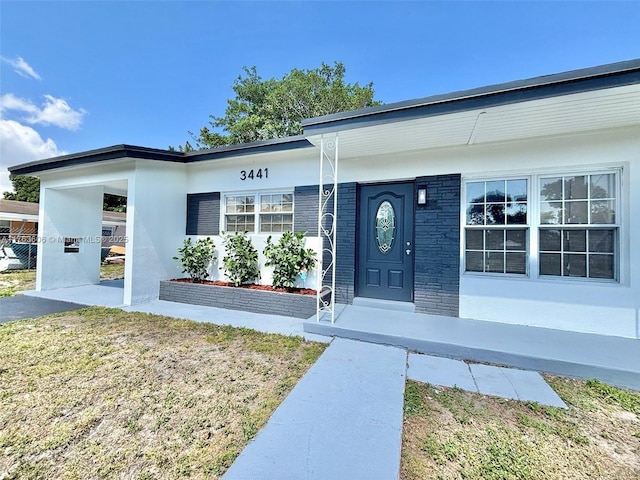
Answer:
(575, 81)
(129, 151)
(99, 155)
(263, 146)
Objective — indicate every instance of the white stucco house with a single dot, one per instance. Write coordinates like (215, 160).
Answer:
(514, 203)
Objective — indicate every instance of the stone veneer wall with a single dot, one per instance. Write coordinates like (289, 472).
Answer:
(437, 246)
(203, 213)
(256, 301)
(306, 219)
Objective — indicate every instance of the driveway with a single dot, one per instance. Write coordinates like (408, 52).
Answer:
(21, 306)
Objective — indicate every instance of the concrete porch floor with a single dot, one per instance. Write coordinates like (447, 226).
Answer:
(613, 360)
(108, 293)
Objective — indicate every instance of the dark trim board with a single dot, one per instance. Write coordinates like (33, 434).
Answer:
(576, 81)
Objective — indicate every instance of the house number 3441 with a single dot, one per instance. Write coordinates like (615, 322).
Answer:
(252, 174)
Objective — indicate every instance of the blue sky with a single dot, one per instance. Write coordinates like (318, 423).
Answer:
(81, 75)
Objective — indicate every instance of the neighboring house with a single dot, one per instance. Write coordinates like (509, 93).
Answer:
(514, 203)
(19, 223)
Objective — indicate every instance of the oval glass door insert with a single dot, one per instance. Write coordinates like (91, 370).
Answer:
(385, 226)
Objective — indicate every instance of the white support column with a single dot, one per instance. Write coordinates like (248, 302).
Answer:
(156, 216)
(327, 225)
(69, 213)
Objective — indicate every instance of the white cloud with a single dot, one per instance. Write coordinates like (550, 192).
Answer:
(19, 144)
(21, 67)
(53, 111)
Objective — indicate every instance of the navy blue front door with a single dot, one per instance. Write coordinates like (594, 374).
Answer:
(385, 241)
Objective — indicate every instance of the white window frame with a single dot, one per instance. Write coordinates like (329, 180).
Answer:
(523, 226)
(257, 213)
(534, 224)
(616, 226)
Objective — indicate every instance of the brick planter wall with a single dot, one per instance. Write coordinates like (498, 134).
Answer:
(256, 301)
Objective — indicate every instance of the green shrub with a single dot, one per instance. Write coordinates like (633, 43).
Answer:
(240, 264)
(195, 258)
(289, 259)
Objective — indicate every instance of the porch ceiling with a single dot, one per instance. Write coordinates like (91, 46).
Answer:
(580, 112)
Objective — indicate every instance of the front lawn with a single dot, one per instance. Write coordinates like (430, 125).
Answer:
(14, 281)
(102, 393)
(450, 433)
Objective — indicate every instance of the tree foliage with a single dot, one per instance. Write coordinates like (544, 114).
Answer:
(27, 189)
(275, 108)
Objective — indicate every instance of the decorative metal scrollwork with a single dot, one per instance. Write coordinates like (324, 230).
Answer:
(327, 217)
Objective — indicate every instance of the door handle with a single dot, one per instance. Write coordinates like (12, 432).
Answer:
(408, 251)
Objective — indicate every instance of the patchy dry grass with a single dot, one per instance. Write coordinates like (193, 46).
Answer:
(452, 434)
(14, 281)
(102, 393)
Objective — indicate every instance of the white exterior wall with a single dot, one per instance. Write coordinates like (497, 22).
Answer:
(610, 308)
(57, 269)
(287, 170)
(266, 273)
(156, 219)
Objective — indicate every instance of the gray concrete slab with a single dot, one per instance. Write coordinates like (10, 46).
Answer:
(613, 360)
(445, 372)
(109, 293)
(20, 307)
(514, 384)
(235, 318)
(492, 381)
(343, 420)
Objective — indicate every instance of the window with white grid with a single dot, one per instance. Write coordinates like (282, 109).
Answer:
(259, 213)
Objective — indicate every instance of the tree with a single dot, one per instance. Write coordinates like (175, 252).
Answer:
(27, 189)
(275, 108)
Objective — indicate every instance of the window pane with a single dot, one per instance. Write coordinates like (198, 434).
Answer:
(550, 240)
(495, 214)
(551, 213)
(517, 213)
(474, 262)
(550, 264)
(576, 212)
(496, 191)
(602, 212)
(250, 207)
(475, 192)
(575, 240)
(475, 239)
(551, 189)
(495, 239)
(494, 262)
(601, 241)
(603, 186)
(517, 190)
(475, 215)
(575, 188)
(516, 240)
(601, 266)
(575, 265)
(239, 223)
(516, 262)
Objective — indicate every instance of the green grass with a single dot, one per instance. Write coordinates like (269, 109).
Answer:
(450, 433)
(102, 393)
(14, 281)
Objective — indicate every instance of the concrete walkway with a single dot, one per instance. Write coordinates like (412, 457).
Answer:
(343, 420)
